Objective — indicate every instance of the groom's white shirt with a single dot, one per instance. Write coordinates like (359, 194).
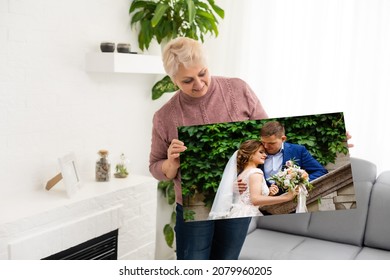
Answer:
(273, 163)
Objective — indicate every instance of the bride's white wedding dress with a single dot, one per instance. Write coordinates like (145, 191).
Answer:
(244, 207)
(228, 203)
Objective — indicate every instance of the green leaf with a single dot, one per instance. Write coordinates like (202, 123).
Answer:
(188, 215)
(159, 13)
(171, 194)
(163, 86)
(205, 15)
(214, 28)
(173, 218)
(220, 12)
(146, 36)
(163, 185)
(136, 4)
(169, 235)
(191, 11)
(137, 17)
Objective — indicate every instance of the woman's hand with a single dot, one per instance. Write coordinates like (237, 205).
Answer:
(292, 193)
(273, 189)
(175, 148)
(241, 185)
(349, 137)
(172, 163)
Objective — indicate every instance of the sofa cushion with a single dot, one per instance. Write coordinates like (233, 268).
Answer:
(253, 224)
(363, 170)
(378, 223)
(346, 226)
(289, 223)
(316, 249)
(373, 254)
(264, 244)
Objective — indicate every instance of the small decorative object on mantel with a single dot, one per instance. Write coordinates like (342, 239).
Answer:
(107, 47)
(121, 168)
(103, 167)
(123, 48)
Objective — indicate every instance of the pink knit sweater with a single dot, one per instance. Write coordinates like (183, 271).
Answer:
(227, 100)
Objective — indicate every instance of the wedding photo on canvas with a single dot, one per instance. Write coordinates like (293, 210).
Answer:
(287, 165)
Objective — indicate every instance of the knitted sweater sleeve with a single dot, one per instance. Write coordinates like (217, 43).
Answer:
(159, 147)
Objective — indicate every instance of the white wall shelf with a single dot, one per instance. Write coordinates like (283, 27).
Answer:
(124, 63)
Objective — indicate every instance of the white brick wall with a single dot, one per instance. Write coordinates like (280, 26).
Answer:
(49, 105)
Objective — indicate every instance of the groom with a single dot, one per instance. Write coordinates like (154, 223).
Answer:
(279, 152)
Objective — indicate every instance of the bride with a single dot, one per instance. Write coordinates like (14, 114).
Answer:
(228, 203)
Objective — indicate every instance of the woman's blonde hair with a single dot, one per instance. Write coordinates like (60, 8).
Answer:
(182, 50)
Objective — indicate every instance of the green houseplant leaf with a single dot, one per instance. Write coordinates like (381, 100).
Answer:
(162, 86)
(168, 234)
(191, 11)
(158, 14)
(181, 15)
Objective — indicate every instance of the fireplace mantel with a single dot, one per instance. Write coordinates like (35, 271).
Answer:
(38, 223)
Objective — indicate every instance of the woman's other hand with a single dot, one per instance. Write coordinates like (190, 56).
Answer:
(172, 163)
(175, 148)
(349, 137)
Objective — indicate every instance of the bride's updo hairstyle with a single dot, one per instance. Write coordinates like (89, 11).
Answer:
(245, 152)
(185, 51)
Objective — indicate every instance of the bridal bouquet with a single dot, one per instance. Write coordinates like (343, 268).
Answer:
(293, 177)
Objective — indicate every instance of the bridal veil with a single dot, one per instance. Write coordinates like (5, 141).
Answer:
(227, 193)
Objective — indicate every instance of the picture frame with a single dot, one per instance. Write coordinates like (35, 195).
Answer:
(70, 173)
(210, 147)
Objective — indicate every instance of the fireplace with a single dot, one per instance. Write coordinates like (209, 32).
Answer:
(50, 222)
(104, 247)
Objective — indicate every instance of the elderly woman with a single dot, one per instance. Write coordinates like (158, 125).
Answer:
(202, 99)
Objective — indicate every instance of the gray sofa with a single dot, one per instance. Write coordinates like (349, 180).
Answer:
(361, 233)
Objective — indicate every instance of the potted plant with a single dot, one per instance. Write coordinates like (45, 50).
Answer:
(120, 168)
(164, 20)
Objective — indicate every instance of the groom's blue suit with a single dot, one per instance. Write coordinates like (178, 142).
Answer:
(303, 158)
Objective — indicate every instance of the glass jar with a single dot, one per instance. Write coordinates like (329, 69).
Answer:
(121, 170)
(103, 167)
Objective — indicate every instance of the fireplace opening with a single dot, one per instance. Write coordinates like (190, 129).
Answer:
(104, 247)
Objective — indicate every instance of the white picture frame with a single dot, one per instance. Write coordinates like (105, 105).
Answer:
(70, 173)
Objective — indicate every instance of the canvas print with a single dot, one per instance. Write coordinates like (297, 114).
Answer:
(275, 166)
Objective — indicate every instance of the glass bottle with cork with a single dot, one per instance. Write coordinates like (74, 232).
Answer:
(103, 167)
